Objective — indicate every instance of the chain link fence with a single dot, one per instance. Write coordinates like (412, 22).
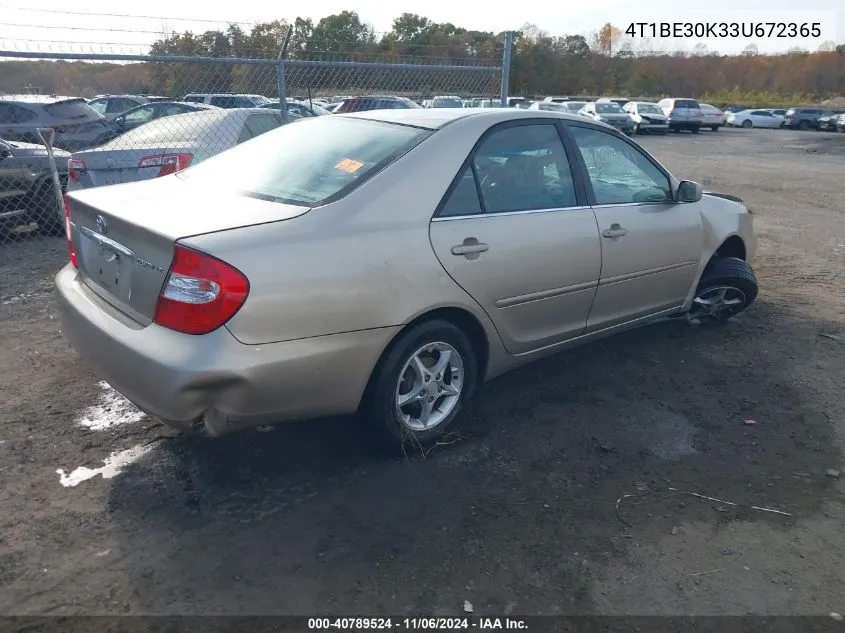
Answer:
(126, 118)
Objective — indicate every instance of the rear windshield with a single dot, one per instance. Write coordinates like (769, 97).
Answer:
(649, 108)
(446, 102)
(308, 163)
(608, 108)
(178, 130)
(686, 103)
(74, 109)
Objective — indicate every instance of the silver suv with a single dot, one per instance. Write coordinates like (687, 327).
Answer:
(227, 99)
(77, 125)
(684, 114)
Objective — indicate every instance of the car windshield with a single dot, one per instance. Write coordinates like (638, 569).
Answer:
(308, 163)
(648, 108)
(608, 108)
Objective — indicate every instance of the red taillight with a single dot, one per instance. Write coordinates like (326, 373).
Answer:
(75, 167)
(167, 163)
(70, 248)
(200, 293)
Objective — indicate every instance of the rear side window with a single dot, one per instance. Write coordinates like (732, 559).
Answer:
(310, 163)
(75, 109)
(464, 197)
(257, 124)
(12, 113)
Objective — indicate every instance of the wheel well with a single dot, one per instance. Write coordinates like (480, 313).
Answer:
(731, 247)
(468, 324)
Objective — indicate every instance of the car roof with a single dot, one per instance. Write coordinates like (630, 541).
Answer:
(45, 99)
(436, 118)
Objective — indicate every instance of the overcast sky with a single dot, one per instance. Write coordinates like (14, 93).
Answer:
(122, 34)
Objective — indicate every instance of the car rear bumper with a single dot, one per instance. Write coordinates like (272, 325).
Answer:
(684, 125)
(183, 379)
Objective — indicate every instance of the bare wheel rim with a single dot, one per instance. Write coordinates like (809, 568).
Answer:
(719, 302)
(429, 386)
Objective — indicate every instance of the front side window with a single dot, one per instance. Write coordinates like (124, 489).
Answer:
(309, 163)
(524, 168)
(139, 116)
(619, 173)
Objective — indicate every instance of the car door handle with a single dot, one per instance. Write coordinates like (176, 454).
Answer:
(471, 248)
(615, 232)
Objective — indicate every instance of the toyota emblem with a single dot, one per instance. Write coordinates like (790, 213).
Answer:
(102, 225)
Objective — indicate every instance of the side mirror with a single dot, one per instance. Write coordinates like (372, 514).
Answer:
(689, 191)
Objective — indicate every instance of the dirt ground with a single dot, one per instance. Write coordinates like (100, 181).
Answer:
(519, 517)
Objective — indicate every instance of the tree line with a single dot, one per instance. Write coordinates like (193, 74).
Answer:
(604, 62)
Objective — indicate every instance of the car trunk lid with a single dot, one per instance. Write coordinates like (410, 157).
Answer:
(124, 235)
(117, 166)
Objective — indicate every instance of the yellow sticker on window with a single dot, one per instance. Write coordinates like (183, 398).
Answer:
(349, 166)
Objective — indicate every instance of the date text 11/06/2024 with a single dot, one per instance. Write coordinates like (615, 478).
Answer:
(416, 624)
(725, 29)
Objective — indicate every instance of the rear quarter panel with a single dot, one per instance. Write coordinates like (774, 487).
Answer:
(363, 262)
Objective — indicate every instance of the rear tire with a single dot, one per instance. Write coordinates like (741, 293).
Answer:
(44, 210)
(803, 126)
(433, 398)
(695, 130)
(715, 128)
(726, 288)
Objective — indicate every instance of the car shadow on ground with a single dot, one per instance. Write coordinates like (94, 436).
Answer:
(518, 515)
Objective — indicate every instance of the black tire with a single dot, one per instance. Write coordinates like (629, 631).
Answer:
(715, 128)
(44, 210)
(380, 408)
(747, 123)
(803, 126)
(725, 272)
(695, 130)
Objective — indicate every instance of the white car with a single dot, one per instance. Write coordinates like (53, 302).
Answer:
(712, 117)
(754, 118)
(567, 107)
(648, 117)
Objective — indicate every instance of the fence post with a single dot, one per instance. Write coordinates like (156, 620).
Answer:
(280, 76)
(506, 67)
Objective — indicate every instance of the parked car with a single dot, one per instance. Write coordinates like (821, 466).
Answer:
(77, 125)
(610, 113)
(446, 102)
(227, 100)
(167, 145)
(237, 293)
(802, 118)
(27, 192)
(518, 102)
(684, 114)
(712, 117)
(156, 110)
(648, 118)
(827, 121)
(840, 123)
(487, 103)
(331, 107)
(299, 109)
(376, 102)
(110, 106)
(754, 118)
